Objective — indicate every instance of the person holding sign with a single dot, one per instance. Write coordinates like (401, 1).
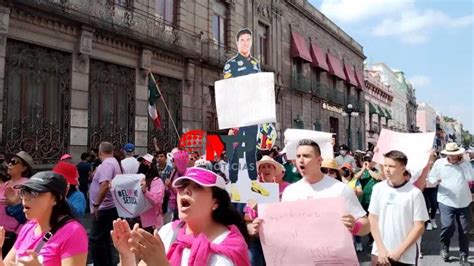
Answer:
(315, 184)
(239, 65)
(397, 214)
(210, 231)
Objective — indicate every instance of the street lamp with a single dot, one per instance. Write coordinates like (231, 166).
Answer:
(350, 112)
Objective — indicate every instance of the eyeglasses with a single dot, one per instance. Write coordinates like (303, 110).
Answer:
(29, 192)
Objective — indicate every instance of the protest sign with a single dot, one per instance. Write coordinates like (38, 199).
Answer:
(306, 232)
(416, 146)
(128, 195)
(245, 101)
(293, 136)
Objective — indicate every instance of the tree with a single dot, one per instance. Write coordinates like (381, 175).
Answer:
(467, 139)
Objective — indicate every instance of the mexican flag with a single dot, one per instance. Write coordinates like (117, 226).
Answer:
(153, 96)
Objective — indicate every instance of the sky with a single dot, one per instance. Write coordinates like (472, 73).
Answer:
(431, 41)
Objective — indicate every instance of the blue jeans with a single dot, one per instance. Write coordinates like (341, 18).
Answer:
(256, 253)
(250, 157)
(463, 219)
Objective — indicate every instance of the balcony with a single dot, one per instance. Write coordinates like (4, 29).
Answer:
(301, 83)
(327, 93)
(126, 21)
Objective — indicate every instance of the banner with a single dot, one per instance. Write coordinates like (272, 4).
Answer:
(306, 232)
(416, 146)
(245, 101)
(128, 195)
(293, 136)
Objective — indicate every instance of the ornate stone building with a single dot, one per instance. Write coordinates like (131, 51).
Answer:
(378, 114)
(74, 72)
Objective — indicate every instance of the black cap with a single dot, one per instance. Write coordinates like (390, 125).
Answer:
(242, 31)
(46, 182)
(343, 147)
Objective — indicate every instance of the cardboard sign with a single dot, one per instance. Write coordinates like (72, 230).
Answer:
(416, 146)
(246, 101)
(306, 232)
(128, 195)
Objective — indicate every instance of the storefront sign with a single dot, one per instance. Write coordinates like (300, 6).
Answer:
(332, 108)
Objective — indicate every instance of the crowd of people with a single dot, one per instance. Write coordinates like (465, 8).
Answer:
(193, 221)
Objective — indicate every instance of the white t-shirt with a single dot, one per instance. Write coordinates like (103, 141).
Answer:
(327, 187)
(397, 210)
(130, 165)
(168, 236)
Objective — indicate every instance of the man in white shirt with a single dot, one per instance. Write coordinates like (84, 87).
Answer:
(129, 164)
(453, 175)
(397, 215)
(315, 184)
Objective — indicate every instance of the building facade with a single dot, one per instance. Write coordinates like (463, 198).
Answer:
(378, 114)
(74, 73)
(426, 118)
(412, 106)
(395, 80)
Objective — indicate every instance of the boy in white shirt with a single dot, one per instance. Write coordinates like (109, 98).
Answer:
(397, 215)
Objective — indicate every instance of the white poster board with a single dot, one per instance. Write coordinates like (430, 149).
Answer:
(293, 136)
(128, 195)
(246, 101)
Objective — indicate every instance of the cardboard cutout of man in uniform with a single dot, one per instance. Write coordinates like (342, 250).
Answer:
(239, 65)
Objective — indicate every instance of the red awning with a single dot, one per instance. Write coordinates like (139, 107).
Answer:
(350, 75)
(335, 66)
(319, 57)
(360, 79)
(299, 48)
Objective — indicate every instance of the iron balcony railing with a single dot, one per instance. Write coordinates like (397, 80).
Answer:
(327, 93)
(301, 83)
(123, 20)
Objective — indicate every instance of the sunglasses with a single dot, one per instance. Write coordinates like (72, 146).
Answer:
(30, 193)
(14, 161)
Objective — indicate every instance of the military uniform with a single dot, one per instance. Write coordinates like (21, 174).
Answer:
(237, 66)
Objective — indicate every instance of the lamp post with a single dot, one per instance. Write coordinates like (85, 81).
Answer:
(350, 112)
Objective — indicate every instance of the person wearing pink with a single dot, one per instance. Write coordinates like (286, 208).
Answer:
(154, 191)
(180, 160)
(19, 168)
(44, 200)
(271, 171)
(210, 231)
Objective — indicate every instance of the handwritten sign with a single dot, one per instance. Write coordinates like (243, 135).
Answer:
(246, 101)
(293, 136)
(416, 146)
(306, 232)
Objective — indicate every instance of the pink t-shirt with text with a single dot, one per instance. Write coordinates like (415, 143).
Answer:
(70, 240)
(10, 223)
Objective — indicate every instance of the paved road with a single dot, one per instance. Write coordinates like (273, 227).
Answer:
(430, 248)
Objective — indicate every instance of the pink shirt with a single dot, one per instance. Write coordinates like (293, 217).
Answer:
(153, 216)
(10, 224)
(70, 240)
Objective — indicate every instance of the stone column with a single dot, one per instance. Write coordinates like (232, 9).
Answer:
(141, 103)
(80, 94)
(4, 22)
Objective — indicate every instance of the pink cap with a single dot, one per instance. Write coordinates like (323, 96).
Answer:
(65, 157)
(202, 177)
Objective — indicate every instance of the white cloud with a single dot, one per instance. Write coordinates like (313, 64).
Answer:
(413, 26)
(420, 81)
(352, 11)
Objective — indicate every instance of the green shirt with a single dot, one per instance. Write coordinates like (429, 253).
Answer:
(367, 182)
(291, 173)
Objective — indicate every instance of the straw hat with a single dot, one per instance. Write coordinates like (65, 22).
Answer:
(269, 160)
(452, 149)
(329, 163)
